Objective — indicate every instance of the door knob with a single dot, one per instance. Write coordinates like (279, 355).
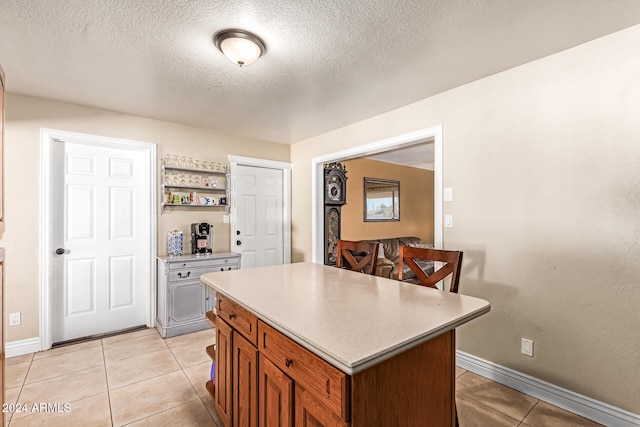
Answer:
(238, 242)
(59, 251)
(238, 232)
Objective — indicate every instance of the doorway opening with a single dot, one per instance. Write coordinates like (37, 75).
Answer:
(428, 135)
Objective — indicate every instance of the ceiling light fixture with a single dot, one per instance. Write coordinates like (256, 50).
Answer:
(239, 46)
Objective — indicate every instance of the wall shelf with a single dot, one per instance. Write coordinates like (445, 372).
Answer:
(205, 180)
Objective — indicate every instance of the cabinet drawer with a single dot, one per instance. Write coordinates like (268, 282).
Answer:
(190, 274)
(238, 318)
(205, 263)
(328, 384)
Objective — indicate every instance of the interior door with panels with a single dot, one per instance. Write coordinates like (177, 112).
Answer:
(259, 216)
(100, 236)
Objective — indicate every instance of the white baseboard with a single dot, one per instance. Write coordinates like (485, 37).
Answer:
(18, 348)
(566, 399)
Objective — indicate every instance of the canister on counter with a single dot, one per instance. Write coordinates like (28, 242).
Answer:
(174, 243)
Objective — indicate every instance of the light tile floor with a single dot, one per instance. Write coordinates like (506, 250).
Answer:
(139, 379)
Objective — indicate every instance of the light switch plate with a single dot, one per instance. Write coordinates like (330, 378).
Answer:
(225, 219)
(448, 220)
(526, 347)
(448, 194)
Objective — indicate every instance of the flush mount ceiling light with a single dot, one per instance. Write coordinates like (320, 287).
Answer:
(239, 46)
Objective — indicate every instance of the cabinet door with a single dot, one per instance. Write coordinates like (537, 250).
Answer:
(311, 412)
(1, 150)
(187, 302)
(224, 354)
(276, 396)
(245, 378)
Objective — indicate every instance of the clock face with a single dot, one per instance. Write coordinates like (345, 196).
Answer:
(334, 191)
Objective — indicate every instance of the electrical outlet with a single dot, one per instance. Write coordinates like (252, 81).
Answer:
(526, 347)
(14, 319)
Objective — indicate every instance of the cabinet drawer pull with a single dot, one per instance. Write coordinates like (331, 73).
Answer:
(183, 277)
(232, 316)
(288, 362)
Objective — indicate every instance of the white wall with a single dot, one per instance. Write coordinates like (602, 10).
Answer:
(544, 161)
(25, 116)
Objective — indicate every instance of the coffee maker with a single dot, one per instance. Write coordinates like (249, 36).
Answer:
(201, 238)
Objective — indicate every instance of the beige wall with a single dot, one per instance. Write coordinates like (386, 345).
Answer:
(416, 202)
(25, 116)
(543, 159)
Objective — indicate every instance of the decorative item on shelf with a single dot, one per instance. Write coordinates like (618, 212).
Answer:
(174, 243)
(193, 198)
(223, 201)
(174, 161)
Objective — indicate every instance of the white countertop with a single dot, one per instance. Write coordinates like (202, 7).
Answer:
(352, 320)
(197, 257)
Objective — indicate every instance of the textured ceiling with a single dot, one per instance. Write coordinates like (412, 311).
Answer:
(328, 62)
(420, 156)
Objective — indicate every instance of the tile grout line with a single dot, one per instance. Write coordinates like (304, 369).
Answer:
(530, 410)
(491, 408)
(21, 387)
(106, 380)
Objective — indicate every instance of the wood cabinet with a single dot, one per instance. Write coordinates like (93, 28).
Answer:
(264, 378)
(182, 300)
(287, 376)
(224, 378)
(275, 395)
(312, 412)
(236, 395)
(245, 382)
(354, 349)
(2, 355)
(1, 231)
(1, 151)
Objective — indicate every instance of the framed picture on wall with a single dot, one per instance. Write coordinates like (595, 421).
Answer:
(381, 199)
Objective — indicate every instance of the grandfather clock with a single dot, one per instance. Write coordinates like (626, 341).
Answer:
(335, 195)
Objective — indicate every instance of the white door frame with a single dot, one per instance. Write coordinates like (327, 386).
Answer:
(47, 138)
(285, 167)
(317, 181)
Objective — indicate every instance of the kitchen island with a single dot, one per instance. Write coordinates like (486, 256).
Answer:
(307, 344)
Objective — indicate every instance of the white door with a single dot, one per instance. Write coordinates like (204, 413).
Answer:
(259, 216)
(101, 208)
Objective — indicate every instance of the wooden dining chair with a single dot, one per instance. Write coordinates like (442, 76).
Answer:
(357, 256)
(452, 259)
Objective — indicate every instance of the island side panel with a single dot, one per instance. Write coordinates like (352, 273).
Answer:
(414, 388)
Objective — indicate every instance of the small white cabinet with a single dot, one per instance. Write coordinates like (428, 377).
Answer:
(181, 300)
